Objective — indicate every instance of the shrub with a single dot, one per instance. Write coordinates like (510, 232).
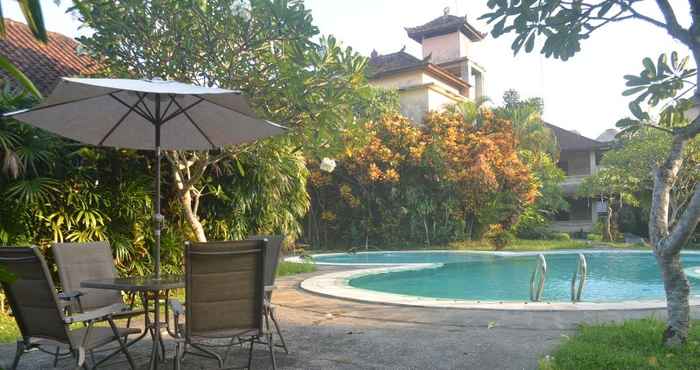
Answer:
(532, 225)
(560, 236)
(594, 237)
(500, 238)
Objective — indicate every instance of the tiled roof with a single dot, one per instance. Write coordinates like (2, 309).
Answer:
(571, 141)
(387, 63)
(443, 25)
(44, 64)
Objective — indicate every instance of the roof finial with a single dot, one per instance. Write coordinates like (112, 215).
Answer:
(446, 11)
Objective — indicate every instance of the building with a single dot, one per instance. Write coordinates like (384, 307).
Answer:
(43, 64)
(579, 157)
(445, 74)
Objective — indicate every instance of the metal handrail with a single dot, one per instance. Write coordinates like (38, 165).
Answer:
(536, 290)
(579, 274)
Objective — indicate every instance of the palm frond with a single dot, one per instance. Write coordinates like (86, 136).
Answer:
(18, 75)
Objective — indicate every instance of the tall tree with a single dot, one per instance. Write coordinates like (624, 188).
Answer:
(265, 48)
(564, 25)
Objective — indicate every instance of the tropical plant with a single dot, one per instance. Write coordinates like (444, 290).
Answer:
(266, 48)
(564, 25)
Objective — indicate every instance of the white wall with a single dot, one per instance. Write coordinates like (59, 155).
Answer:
(443, 48)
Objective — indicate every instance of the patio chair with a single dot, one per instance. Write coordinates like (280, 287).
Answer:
(224, 296)
(78, 262)
(40, 317)
(272, 258)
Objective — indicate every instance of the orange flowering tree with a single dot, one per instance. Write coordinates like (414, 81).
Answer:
(479, 160)
(449, 179)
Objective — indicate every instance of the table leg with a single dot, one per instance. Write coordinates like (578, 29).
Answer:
(156, 334)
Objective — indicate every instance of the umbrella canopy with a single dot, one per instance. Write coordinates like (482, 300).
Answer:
(124, 113)
(148, 114)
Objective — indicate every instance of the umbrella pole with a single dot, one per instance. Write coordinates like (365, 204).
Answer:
(158, 217)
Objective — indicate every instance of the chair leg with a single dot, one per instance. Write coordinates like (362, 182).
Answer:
(55, 357)
(122, 344)
(178, 358)
(271, 348)
(277, 329)
(79, 358)
(18, 354)
(250, 353)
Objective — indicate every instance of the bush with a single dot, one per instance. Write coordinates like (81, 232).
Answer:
(594, 237)
(560, 236)
(500, 238)
(532, 225)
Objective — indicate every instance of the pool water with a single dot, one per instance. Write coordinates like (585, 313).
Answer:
(612, 276)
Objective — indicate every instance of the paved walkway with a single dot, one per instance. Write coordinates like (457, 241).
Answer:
(328, 333)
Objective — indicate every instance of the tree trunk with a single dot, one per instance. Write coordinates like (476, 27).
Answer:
(608, 224)
(677, 306)
(427, 235)
(196, 225)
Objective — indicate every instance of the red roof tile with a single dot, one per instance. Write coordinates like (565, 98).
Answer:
(44, 64)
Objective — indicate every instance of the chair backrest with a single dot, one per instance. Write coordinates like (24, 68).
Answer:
(78, 262)
(32, 295)
(272, 255)
(224, 285)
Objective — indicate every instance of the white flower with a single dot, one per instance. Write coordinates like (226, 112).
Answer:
(327, 165)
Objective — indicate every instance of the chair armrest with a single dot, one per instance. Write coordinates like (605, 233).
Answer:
(67, 296)
(98, 314)
(178, 308)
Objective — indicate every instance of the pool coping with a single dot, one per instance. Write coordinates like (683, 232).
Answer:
(336, 285)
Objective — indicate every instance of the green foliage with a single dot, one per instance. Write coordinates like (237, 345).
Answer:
(261, 191)
(537, 148)
(532, 225)
(500, 238)
(634, 344)
(563, 24)
(528, 126)
(660, 81)
(269, 49)
(594, 237)
(561, 236)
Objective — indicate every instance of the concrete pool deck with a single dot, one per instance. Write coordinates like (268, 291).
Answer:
(331, 333)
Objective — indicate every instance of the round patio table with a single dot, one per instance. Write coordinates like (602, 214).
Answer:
(149, 288)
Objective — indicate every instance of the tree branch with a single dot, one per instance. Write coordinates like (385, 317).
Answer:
(685, 227)
(672, 25)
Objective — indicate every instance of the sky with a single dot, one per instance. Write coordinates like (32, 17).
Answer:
(582, 94)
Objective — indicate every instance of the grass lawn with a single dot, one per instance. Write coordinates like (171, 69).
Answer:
(634, 344)
(544, 245)
(292, 268)
(519, 245)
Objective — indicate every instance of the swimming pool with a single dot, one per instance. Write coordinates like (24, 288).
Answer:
(613, 276)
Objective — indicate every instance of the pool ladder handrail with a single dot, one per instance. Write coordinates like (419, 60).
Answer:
(580, 274)
(536, 289)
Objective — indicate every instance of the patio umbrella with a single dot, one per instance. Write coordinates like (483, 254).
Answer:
(148, 114)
